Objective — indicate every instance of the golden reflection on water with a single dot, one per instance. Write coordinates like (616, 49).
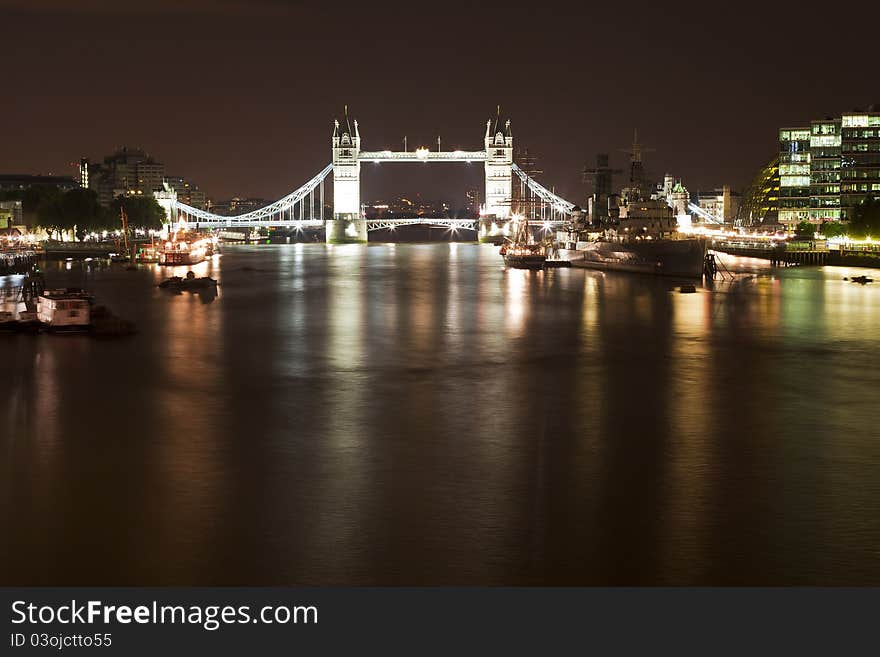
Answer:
(853, 309)
(193, 479)
(453, 334)
(337, 516)
(345, 305)
(412, 414)
(691, 451)
(590, 311)
(517, 294)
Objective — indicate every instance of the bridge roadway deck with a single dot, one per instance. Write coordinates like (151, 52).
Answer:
(372, 224)
(422, 155)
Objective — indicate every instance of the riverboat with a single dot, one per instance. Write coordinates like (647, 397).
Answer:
(65, 309)
(184, 249)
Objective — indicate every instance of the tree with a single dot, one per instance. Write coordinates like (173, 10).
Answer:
(804, 229)
(865, 221)
(143, 212)
(82, 211)
(50, 214)
(31, 198)
(831, 229)
(76, 209)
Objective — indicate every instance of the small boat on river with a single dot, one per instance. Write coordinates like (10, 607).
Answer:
(190, 282)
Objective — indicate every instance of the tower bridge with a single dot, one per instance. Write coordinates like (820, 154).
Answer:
(305, 207)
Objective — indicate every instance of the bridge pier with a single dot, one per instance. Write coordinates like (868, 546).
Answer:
(350, 229)
(489, 230)
(347, 225)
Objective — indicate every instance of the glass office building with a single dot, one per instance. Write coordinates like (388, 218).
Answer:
(794, 175)
(828, 168)
(859, 158)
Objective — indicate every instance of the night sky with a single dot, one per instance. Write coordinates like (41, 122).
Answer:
(240, 95)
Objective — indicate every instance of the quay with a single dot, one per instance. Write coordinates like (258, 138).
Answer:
(105, 248)
(61, 249)
(18, 261)
(804, 252)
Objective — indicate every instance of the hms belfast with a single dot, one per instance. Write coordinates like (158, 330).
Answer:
(636, 230)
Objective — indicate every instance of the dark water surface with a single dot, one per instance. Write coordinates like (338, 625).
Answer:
(417, 414)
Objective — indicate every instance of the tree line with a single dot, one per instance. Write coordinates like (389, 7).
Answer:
(78, 210)
(865, 222)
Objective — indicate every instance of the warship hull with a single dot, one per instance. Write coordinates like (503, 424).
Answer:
(679, 258)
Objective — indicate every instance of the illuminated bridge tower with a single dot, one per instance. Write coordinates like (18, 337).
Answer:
(499, 172)
(347, 224)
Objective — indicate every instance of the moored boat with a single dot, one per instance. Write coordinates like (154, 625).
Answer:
(184, 249)
(522, 252)
(65, 309)
(524, 259)
(682, 258)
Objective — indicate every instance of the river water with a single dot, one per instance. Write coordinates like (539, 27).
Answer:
(418, 414)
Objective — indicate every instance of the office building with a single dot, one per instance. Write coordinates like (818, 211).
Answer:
(830, 167)
(127, 172)
(859, 158)
(187, 191)
(15, 182)
(722, 204)
(760, 201)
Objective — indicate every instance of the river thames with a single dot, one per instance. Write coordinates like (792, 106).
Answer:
(418, 414)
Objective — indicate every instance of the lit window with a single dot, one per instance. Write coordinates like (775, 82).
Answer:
(794, 181)
(825, 140)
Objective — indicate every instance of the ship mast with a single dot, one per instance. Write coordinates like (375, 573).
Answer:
(124, 219)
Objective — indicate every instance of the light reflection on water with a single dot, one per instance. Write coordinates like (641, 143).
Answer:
(405, 414)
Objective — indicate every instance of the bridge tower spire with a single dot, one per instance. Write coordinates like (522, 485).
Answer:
(499, 167)
(347, 224)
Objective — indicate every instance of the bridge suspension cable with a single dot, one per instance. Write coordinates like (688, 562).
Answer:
(556, 202)
(273, 213)
(708, 216)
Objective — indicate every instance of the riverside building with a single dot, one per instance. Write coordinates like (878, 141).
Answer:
(829, 167)
(127, 172)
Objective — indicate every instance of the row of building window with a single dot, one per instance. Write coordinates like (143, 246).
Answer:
(860, 160)
(825, 128)
(795, 196)
(824, 140)
(852, 133)
(860, 187)
(794, 181)
(824, 154)
(860, 174)
(794, 157)
(861, 148)
(793, 169)
(859, 120)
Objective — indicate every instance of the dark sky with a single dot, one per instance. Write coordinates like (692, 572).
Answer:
(239, 95)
